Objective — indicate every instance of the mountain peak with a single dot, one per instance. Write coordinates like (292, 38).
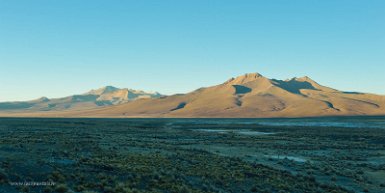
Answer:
(248, 77)
(109, 88)
(252, 75)
(41, 99)
(310, 83)
(103, 90)
(304, 78)
(301, 79)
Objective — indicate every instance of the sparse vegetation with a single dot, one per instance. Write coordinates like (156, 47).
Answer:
(165, 155)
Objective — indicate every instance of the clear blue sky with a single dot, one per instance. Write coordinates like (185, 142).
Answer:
(61, 47)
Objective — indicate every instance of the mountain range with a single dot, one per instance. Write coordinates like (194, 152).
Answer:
(105, 96)
(249, 95)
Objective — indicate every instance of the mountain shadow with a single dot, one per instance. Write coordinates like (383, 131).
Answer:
(294, 86)
(180, 106)
(239, 89)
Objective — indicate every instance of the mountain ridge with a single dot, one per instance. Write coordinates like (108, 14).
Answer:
(248, 95)
(104, 96)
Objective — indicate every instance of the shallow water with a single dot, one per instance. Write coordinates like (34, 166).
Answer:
(345, 122)
(240, 131)
(293, 158)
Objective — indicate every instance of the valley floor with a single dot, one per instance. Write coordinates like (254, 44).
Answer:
(188, 155)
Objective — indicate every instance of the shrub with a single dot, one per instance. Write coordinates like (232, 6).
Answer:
(61, 188)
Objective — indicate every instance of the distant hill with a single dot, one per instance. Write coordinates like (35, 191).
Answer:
(105, 96)
(249, 95)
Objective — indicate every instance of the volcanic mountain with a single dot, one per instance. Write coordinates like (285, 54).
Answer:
(249, 95)
(104, 96)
